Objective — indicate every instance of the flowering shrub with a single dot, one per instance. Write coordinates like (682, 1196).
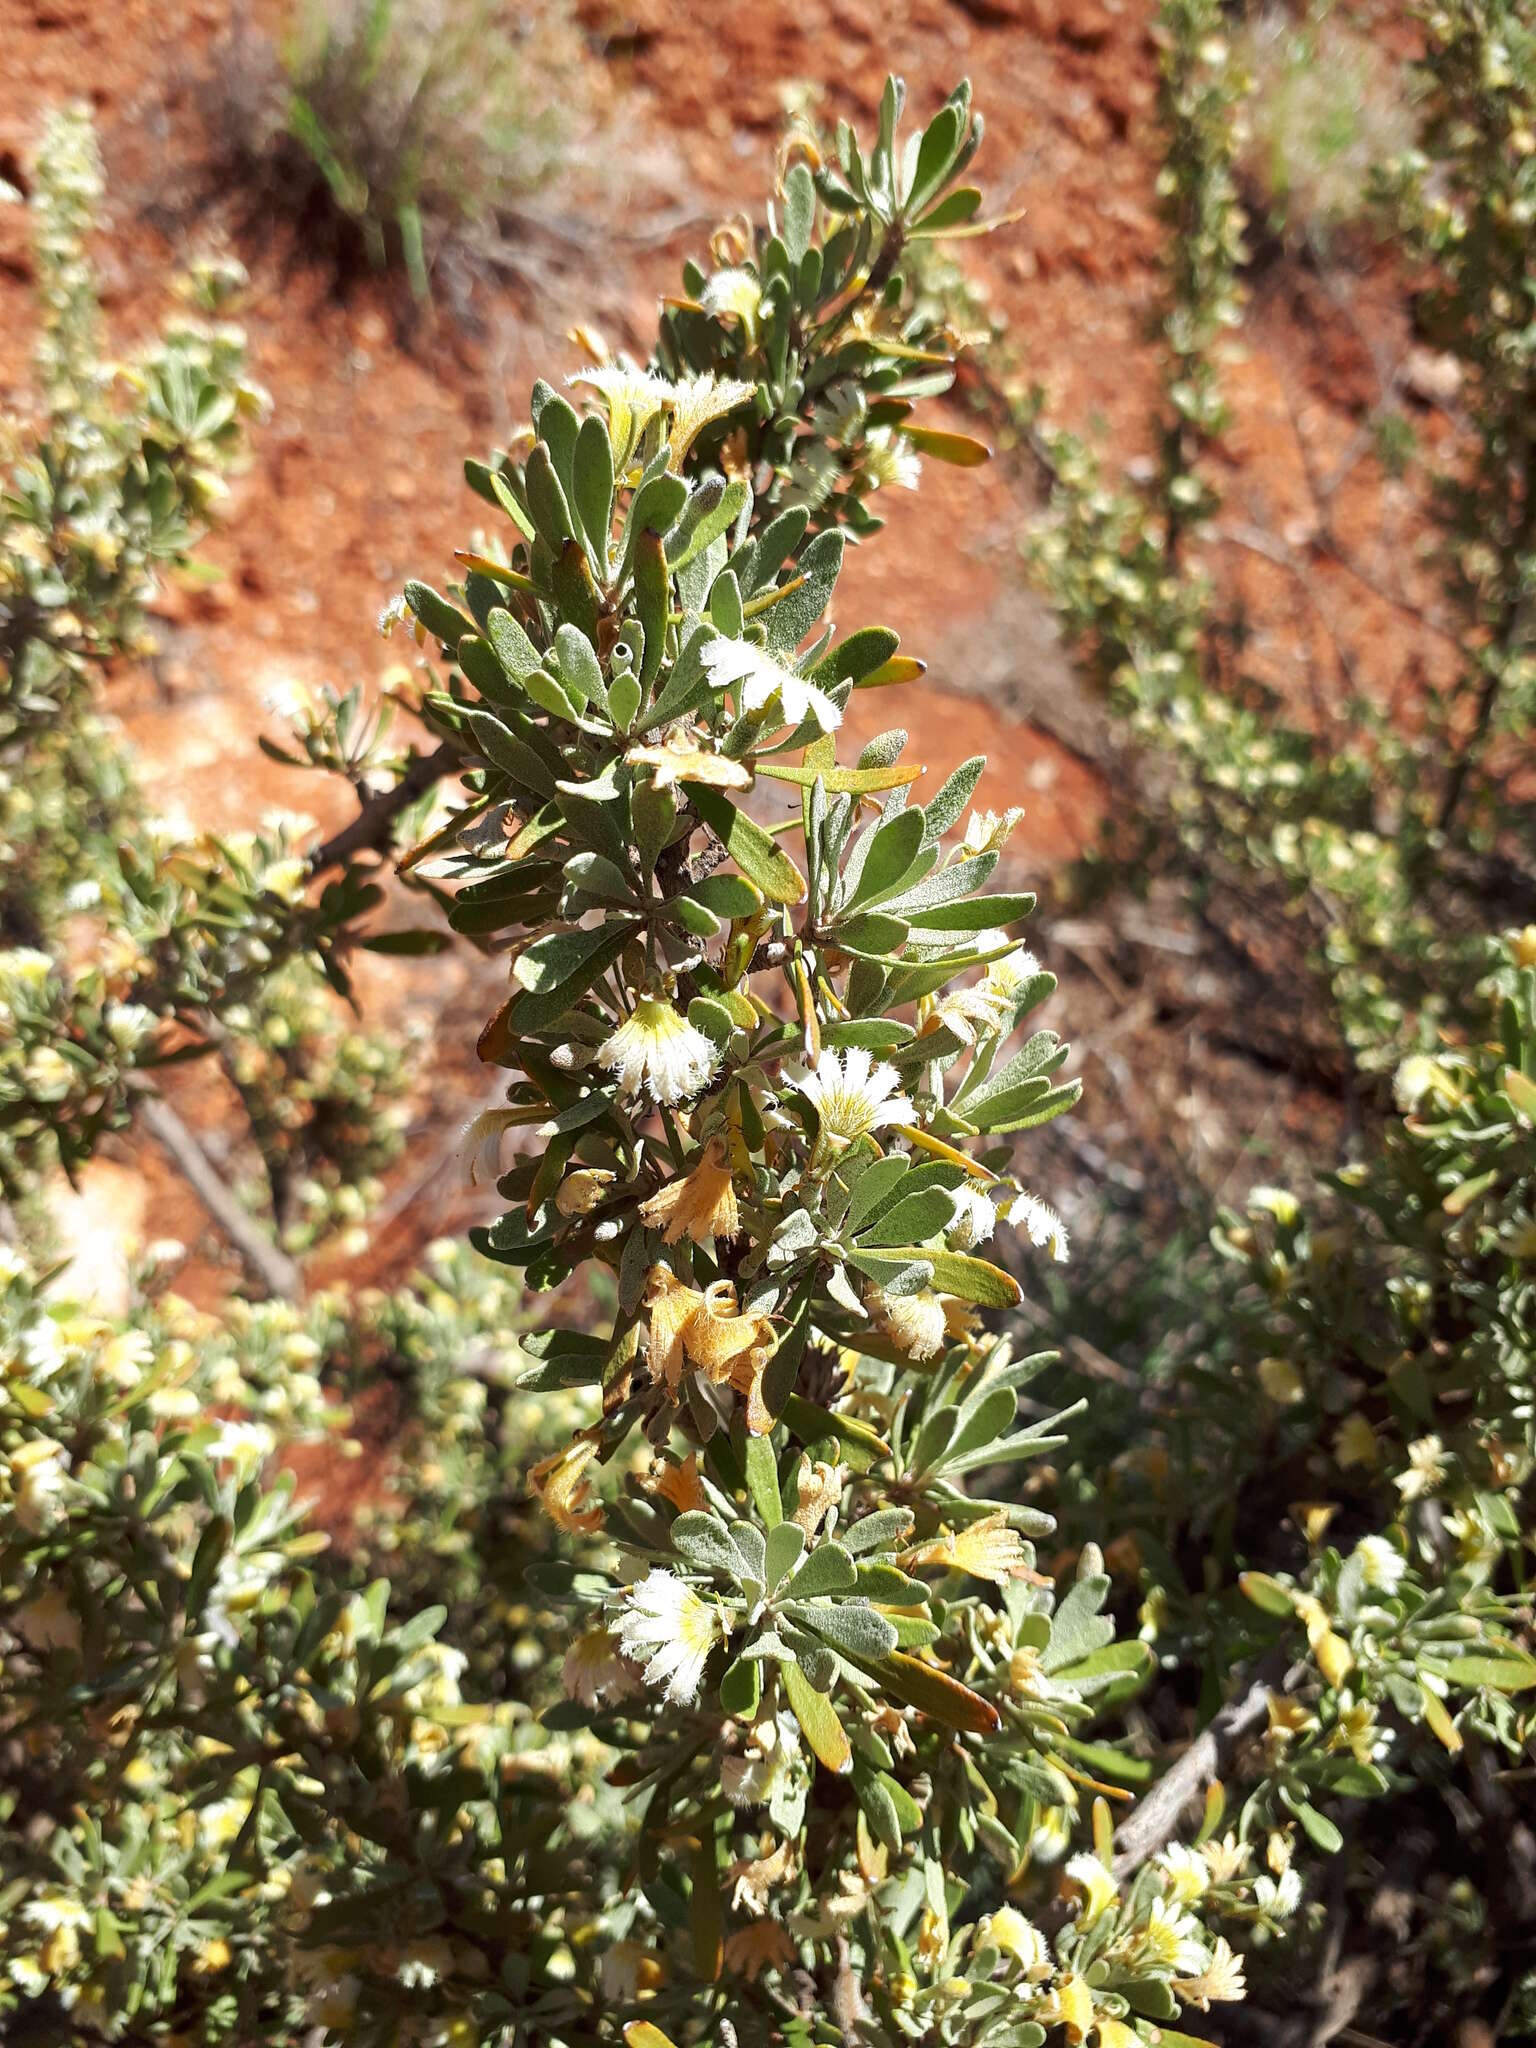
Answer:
(836, 1742)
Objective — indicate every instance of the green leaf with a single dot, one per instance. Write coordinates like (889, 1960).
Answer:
(437, 614)
(849, 1626)
(753, 851)
(818, 1721)
(967, 1278)
(592, 481)
(952, 211)
(786, 1543)
(799, 211)
(547, 505)
(1078, 1629)
(763, 1481)
(727, 896)
(923, 1214)
(828, 1569)
(538, 1009)
(1499, 1671)
(892, 855)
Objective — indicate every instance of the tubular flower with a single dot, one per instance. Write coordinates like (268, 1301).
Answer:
(670, 1631)
(733, 294)
(562, 1485)
(657, 1049)
(988, 1549)
(761, 679)
(1011, 1934)
(975, 1219)
(979, 1011)
(989, 831)
(480, 1145)
(753, 1881)
(580, 1192)
(819, 1489)
(702, 1205)
(853, 1096)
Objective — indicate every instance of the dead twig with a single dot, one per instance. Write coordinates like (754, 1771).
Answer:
(267, 1265)
(1155, 1819)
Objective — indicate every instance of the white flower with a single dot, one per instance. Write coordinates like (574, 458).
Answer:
(1226, 1859)
(1277, 1899)
(1009, 977)
(975, 1218)
(750, 1779)
(890, 461)
(1099, 1888)
(976, 1011)
(244, 1443)
(733, 292)
(1011, 1934)
(1168, 1939)
(913, 1322)
(53, 1910)
(1425, 1470)
(1040, 1224)
(593, 1669)
(671, 1631)
(1184, 1871)
(479, 1147)
(657, 1049)
(38, 1474)
(1382, 1563)
(761, 679)
(853, 1096)
(989, 832)
(633, 398)
(695, 402)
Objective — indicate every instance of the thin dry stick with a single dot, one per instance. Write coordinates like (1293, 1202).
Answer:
(1156, 1818)
(268, 1266)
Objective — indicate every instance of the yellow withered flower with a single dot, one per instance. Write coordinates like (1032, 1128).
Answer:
(681, 757)
(562, 1484)
(706, 1330)
(764, 1945)
(988, 1549)
(581, 1191)
(678, 1483)
(700, 1205)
